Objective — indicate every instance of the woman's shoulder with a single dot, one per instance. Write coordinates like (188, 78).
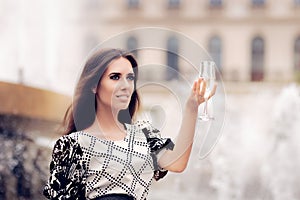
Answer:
(66, 146)
(65, 142)
(65, 139)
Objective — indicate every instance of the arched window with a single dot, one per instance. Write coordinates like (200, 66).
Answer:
(172, 58)
(256, 3)
(297, 54)
(132, 45)
(215, 50)
(257, 59)
(174, 3)
(215, 3)
(133, 3)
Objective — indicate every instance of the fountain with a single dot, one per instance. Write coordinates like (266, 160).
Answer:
(27, 115)
(24, 164)
(257, 156)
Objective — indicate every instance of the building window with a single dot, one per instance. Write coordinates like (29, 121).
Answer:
(133, 3)
(172, 58)
(215, 3)
(173, 3)
(132, 45)
(297, 54)
(215, 50)
(258, 3)
(257, 59)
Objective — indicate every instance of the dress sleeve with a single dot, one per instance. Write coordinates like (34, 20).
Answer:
(156, 144)
(66, 179)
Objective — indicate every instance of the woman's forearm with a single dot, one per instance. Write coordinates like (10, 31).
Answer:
(177, 159)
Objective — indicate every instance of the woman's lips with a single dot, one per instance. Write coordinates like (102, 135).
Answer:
(123, 97)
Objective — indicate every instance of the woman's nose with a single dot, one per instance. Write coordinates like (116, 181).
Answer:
(125, 84)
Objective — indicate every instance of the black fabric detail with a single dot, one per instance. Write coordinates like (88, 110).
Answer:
(67, 181)
(156, 144)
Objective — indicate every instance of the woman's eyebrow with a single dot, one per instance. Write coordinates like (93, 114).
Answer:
(118, 73)
(114, 73)
(131, 74)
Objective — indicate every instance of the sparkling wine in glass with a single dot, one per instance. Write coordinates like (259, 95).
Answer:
(208, 73)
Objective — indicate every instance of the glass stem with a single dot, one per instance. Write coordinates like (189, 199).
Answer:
(205, 108)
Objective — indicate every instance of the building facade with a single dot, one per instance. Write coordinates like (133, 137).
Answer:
(250, 40)
(45, 43)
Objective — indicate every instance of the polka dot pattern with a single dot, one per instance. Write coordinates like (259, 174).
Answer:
(124, 166)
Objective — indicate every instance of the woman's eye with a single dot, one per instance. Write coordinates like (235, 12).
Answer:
(115, 77)
(132, 78)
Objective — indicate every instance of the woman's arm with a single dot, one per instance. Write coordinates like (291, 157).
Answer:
(177, 159)
(66, 179)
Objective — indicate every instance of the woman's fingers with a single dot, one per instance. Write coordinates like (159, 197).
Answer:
(199, 89)
(213, 91)
(195, 87)
(202, 87)
(199, 93)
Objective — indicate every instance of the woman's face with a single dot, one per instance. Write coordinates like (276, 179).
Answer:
(116, 85)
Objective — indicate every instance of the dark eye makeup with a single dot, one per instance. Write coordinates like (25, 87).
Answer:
(114, 76)
(117, 76)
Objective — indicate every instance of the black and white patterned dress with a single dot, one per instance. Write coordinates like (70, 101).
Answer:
(85, 167)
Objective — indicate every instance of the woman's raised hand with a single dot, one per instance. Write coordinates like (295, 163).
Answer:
(198, 93)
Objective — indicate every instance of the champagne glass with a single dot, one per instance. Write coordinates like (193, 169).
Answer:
(208, 73)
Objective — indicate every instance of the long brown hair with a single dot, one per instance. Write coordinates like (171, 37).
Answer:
(82, 112)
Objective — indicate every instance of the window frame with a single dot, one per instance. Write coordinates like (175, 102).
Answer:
(257, 58)
(172, 57)
(215, 50)
(297, 54)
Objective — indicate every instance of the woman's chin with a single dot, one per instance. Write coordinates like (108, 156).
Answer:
(122, 106)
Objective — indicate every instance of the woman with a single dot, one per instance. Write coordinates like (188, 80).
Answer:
(104, 154)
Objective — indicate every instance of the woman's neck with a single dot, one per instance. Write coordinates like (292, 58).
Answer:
(106, 125)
